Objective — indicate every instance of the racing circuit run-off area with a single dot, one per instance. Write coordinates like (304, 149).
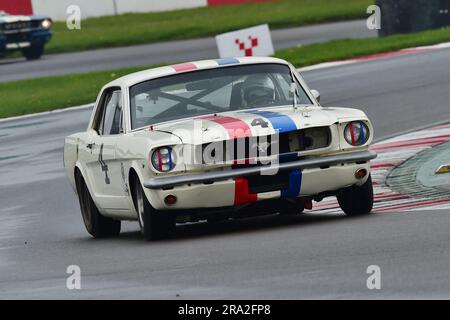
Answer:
(225, 158)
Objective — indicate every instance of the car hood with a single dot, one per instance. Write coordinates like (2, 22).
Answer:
(250, 123)
(8, 19)
(12, 18)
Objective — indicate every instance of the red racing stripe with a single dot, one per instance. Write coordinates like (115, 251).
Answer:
(352, 132)
(159, 160)
(236, 128)
(241, 194)
(184, 67)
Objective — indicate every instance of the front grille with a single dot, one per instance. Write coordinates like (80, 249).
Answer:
(16, 37)
(264, 146)
(19, 25)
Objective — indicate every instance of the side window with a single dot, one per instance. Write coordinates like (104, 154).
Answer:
(109, 121)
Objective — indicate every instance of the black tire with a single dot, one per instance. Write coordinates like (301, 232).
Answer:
(355, 201)
(154, 224)
(216, 219)
(33, 52)
(291, 207)
(96, 224)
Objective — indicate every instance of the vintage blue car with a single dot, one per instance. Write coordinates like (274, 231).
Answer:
(28, 34)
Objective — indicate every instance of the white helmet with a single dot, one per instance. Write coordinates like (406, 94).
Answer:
(258, 89)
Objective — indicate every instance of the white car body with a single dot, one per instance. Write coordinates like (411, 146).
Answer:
(106, 162)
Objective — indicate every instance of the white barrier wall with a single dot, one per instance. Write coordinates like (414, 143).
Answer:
(56, 9)
(126, 6)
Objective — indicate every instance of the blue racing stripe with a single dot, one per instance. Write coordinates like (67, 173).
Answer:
(170, 158)
(280, 122)
(225, 61)
(295, 184)
(363, 138)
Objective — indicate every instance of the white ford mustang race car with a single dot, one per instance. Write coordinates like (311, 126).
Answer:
(213, 140)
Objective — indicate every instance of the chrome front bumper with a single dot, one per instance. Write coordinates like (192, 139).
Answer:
(169, 182)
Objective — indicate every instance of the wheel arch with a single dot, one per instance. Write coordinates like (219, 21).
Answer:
(78, 172)
(76, 176)
(135, 173)
(132, 176)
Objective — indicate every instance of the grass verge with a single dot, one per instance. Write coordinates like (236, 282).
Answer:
(44, 94)
(130, 29)
(351, 48)
(50, 93)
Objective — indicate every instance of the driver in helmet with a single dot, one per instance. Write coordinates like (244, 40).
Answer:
(258, 90)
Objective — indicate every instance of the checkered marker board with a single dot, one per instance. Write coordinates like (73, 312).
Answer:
(392, 153)
(250, 42)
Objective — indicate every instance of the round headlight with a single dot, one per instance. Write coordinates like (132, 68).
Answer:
(163, 159)
(356, 133)
(46, 24)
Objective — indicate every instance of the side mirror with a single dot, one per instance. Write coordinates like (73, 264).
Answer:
(316, 94)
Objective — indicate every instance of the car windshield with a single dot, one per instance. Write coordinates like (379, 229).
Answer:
(212, 91)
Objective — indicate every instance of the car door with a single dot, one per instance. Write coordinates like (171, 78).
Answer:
(102, 166)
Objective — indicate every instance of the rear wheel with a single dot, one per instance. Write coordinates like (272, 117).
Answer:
(357, 200)
(155, 225)
(96, 224)
(33, 52)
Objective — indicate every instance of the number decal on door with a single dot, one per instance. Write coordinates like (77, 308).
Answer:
(103, 165)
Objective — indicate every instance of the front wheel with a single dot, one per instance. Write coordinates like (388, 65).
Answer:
(154, 225)
(33, 52)
(96, 224)
(357, 200)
